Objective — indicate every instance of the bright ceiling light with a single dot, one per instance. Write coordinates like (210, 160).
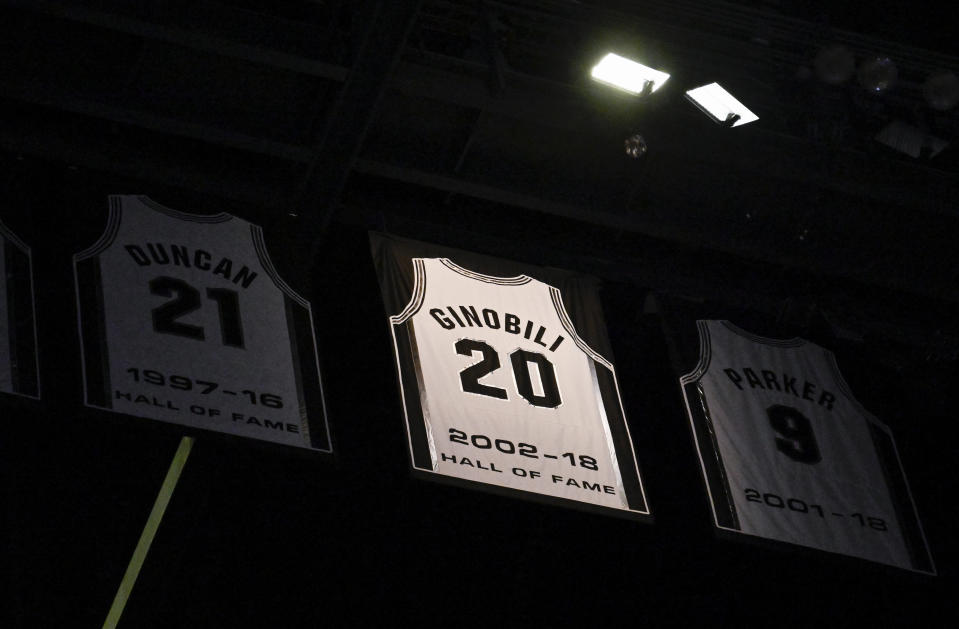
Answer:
(720, 105)
(628, 75)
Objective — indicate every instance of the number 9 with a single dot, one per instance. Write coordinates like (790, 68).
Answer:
(797, 441)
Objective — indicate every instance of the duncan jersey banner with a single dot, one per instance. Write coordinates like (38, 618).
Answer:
(788, 454)
(184, 319)
(18, 332)
(500, 388)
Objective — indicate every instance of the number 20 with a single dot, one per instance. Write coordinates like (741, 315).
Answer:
(520, 360)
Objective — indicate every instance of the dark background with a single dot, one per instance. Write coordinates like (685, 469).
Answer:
(474, 125)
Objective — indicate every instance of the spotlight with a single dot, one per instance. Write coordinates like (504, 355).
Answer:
(720, 105)
(941, 91)
(636, 146)
(628, 75)
(834, 64)
(878, 74)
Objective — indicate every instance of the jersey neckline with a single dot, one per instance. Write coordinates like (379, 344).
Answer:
(219, 217)
(795, 341)
(515, 280)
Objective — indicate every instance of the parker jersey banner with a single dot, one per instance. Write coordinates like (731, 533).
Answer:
(788, 454)
(500, 389)
(18, 331)
(184, 319)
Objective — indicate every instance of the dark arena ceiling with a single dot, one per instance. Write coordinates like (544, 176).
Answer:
(474, 123)
(318, 106)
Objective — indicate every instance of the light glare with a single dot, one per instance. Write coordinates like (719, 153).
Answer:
(626, 74)
(719, 104)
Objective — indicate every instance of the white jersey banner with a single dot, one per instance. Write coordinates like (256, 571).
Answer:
(499, 389)
(18, 331)
(788, 454)
(184, 319)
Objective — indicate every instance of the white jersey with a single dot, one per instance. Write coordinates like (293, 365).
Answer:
(184, 319)
(18, 333)
(789, 455)
(499, 389)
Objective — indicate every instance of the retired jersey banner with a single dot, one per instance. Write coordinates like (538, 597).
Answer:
(184, 319)
(18, 329)
(506, 377)
(788, 454)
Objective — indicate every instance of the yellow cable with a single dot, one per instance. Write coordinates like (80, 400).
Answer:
(149, 531)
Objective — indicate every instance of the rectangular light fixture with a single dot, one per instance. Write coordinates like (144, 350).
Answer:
(627, 75)
(720, 105)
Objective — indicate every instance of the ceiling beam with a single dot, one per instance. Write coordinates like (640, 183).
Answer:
(58, 100)
(187, 38)
(667, 270)
(387, 26)
(524, 97)
(490, 190)
(771, 155)
(634, 222)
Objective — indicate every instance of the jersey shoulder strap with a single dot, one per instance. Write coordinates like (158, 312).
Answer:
(705, 354)
(560, 308)
(106, 239)
(419, 292)
(263, 255)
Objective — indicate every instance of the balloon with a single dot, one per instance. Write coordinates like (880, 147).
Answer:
(878, 74)
(941, 90)
(834, 64)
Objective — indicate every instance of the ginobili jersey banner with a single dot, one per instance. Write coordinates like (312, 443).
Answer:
(501, 389)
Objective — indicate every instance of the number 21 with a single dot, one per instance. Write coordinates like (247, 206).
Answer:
(187, 300)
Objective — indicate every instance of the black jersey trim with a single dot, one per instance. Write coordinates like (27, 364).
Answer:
(715, 476)
(306, 373)
(404, 340)
(91, 325)
(21, 319)
(793, 342)
(902, 501)
(220, 217)
(711, 462)
(263, 256)
(895, 475)
(629, 472)
(109, 234)
(518, 280)
(419, 293)
(6, 280)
